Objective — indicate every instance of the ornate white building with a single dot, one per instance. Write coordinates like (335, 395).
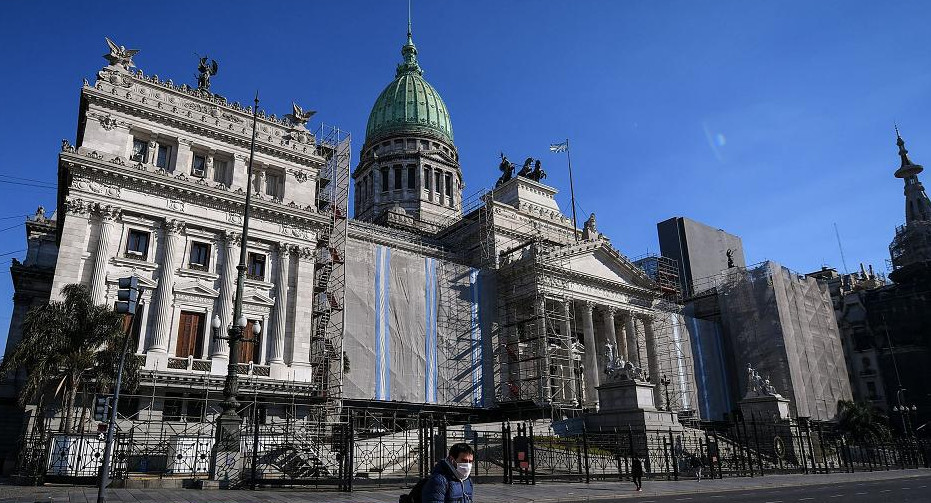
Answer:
(480, 309)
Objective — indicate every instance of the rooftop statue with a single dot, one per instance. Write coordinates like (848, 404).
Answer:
(527, 169)
(206, 70)
(507, 170)
(298, 116)
(537, 174)
(588, 229)
(730, 258)
(119, 56)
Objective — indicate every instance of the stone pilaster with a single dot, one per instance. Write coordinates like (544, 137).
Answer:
(240, 170)
(591, 355)
(278, 328)
(164, 295)
(303, 312)
(221, 348)
(108, 214)
(73, 232)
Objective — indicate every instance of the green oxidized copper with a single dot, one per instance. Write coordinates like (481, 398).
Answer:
(409, 104)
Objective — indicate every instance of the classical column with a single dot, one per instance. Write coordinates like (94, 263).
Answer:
(164, 294)
(240, 165)
(546, 380)
(221, 347)
(633, 346)
(652, 357)
(108, 214)
(276, 342)
(591, 355)
(610, 335)
(621, 337)
(304, 304)
(572, 395)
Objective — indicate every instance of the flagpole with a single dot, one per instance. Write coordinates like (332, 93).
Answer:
(575, 227)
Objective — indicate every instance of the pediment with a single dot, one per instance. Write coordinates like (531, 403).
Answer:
(599, 259)
(196, 288)
(255, 297)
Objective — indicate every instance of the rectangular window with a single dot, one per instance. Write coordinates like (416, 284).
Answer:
(439, 185)
(190, 335)
(449, 187)
(220, 173)
(397, 178)
(426, 178)
(424, 145)
(384, 179)
(200, 256)
(256, 266)
(199, 165)
(137, 244)
(273, 184)
(163, 157)
(411, 179)
(140, 150)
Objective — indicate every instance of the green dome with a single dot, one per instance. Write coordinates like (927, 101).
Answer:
(409, 104)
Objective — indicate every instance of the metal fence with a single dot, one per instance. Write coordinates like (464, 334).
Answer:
(378, 448)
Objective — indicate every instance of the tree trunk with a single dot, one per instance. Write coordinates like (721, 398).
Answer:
(69, 412)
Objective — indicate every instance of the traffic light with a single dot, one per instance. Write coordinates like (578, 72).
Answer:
(102, 408)
(128, 295)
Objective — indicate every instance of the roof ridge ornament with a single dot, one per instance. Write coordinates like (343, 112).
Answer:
(119, 57)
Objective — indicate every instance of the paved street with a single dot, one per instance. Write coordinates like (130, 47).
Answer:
(887, 487)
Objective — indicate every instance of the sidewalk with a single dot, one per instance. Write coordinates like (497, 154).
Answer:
(547, 492)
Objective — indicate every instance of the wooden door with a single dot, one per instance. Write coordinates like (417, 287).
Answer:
(190, 335)
(247, 350)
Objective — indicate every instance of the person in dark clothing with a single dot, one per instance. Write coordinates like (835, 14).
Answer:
(636, 471)
(697, 464)
(449, 481)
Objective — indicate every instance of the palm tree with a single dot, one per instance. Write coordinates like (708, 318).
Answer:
(65, 344)
(861, 422)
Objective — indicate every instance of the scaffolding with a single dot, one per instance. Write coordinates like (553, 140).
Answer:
(327, 356)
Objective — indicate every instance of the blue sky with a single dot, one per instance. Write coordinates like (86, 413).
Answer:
(771, 120)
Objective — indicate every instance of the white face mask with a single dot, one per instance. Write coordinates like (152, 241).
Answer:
(463, 470)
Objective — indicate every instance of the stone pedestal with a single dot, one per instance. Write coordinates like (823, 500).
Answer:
(764, 408)
(626, 402)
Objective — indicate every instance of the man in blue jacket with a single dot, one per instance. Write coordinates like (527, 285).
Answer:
(449, 481)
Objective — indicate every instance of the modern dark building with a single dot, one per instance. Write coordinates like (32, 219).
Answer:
(700, 250)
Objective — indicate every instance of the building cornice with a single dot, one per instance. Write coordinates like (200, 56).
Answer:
(92, 173)
(205, 116)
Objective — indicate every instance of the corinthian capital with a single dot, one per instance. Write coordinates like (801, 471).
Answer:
(76, 206)
(174, 226)
(232, 239)
(107, 213)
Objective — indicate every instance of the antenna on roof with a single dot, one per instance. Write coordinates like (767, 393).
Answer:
(841, 248)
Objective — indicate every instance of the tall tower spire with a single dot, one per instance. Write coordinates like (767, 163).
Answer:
(917, 204)
(409, 51)
(910, 250)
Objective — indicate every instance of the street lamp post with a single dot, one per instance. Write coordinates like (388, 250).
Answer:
(666, 382)
(229, 422)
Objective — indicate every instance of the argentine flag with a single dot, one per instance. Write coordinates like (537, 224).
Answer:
(559, 147)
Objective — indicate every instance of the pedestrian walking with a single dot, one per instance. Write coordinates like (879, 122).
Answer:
(449, 481)
(636, 472)
(697, 464)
